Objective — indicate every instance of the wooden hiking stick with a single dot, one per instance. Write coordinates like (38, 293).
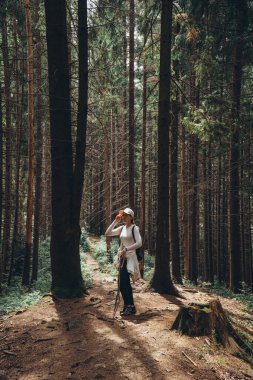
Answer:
(117, 299)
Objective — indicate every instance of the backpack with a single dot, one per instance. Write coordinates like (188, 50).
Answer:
(140, 250)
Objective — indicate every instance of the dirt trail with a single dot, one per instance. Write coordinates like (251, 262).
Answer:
(77, 339)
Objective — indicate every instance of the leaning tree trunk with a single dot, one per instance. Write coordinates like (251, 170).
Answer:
(66, 185)
(161, 281)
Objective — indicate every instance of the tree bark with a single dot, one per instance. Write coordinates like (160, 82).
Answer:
(29, 217)
(234, 180)
(39, 150)
(66, 185)
(185, 205)
(82, 110)
(1, 184)
(143, 164)
(8, 138)
(193, 275)
(174, 228)
(161, 281)
(19, 98)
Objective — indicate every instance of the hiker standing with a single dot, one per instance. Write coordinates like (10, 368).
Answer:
(130, 240)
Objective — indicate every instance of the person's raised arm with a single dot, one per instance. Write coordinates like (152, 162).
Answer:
(111, 231)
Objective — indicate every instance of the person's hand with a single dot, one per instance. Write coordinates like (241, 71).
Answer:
(123, 253)
(118, 218)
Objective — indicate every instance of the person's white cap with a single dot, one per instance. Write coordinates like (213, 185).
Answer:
(128, 211)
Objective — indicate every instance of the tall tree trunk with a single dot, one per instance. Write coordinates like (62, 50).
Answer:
(150, 214)
(8, 138)
(107, 185)
(66, 185)
(208, 251)
(29, 234)
(19, 98)
(248, 222)
(161, 280)
(39, 150)
(1, 163)
(124, 152)
(184, 204)
(143, 155)
(82, 110)
(174, 229)
(224, 234)
(194, 197)
(209, 215)
(242, 221)
(131, 105)
(248, 246)
(1, 184)
(143, 165)
(234, 198)
(219, 225)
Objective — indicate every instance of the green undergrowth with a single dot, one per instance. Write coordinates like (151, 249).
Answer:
(105, 259)
(149, 265)
(16, 296)
(245, 296)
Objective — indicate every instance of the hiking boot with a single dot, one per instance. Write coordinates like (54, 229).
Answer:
(130, 310)
(123, 310)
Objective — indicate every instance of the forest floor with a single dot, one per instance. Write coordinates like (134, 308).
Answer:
(78, 339)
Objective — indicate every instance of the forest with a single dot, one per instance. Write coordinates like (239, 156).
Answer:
(112, 104)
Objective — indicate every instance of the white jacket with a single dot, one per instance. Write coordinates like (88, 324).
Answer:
(127, 240)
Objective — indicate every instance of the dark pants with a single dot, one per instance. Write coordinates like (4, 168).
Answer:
(125, 286)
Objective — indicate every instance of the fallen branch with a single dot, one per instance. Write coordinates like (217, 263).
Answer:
(92, 304)
(99, 317)
(187, 357)
(42, 339)
(9, 353)
(105, 319)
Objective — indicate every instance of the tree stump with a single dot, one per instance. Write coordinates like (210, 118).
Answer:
(210, 320)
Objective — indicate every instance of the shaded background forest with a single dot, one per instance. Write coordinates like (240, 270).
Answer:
(210, 175)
